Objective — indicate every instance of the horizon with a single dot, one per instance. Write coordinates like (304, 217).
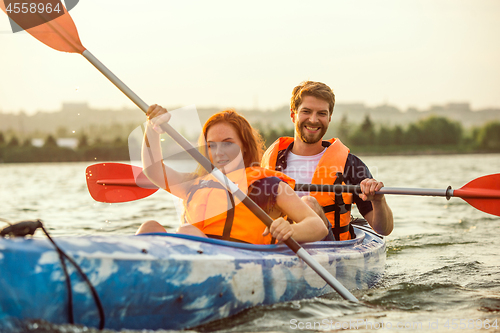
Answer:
(66, 106)
(414, 54)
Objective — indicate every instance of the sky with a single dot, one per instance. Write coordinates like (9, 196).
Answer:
(250, 54)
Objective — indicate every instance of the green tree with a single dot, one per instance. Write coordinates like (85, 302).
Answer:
(118, 141)
(50, 141)
(272, 134)
(439, 130)
(14, 142)
(27, 143)
(83, 141)
(488, 136)
(397, 135)
(286, 131)
(411, 135)
(368, 130)
(365, 134)
(344, 129)
(117, 130)
(385, 136)
(260, 128)
(98, 142)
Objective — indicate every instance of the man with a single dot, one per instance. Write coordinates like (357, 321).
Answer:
(310, 159)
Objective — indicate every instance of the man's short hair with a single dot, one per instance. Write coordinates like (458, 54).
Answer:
(312, 88)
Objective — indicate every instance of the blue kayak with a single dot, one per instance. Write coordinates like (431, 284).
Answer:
(169, 281)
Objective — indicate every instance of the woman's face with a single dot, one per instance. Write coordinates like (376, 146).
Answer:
(224, 147)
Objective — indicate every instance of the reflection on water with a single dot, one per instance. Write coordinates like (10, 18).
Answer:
(57, 194)
(442, 258)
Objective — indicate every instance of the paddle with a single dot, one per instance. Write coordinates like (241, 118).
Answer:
(115, 182)
(62, 35)
(482, 193)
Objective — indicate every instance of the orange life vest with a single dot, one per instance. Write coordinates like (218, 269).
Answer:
(211, 208)
(337, 207)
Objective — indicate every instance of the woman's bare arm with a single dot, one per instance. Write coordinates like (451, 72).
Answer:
(308, 227)
(152, 159)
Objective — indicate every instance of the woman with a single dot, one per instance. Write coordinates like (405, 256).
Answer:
(232, 146)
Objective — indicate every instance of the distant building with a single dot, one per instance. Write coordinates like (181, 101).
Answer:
(455, 107)
(37, 142)
(464, 107)
(67, 142)
(61, 142)
(75, 107)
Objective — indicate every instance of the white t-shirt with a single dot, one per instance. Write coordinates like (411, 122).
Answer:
(301, 168)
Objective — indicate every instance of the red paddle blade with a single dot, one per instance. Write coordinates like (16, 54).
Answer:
(54, 27)
(482, 193)
(117, 182)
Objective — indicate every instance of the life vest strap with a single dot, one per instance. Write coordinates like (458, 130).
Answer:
(333, 208)
(351, 231)
(337, 230)
(342, 229)
(229, 217)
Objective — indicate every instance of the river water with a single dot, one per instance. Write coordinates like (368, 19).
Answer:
(442, 257)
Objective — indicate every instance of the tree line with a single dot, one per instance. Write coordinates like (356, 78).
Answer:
(432, 134)
(15, 151)
(429, 134)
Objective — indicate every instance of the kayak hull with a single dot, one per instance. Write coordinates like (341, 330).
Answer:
(171, 281)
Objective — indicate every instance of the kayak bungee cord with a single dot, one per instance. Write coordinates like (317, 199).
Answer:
(24, 228)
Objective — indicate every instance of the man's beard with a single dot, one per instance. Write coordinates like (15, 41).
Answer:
(308, 137)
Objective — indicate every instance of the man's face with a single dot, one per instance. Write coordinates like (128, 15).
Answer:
(312, 119)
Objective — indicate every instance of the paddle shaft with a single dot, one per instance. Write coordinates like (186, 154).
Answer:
(478, 193)
(307, 188)
(385, 190)
(116, 81)
(233, 188)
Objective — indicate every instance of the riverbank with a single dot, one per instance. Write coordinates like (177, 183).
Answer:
(31, 154)
(120, 152)
(409, 150)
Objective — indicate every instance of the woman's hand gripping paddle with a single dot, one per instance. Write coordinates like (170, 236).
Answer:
(61, 34)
